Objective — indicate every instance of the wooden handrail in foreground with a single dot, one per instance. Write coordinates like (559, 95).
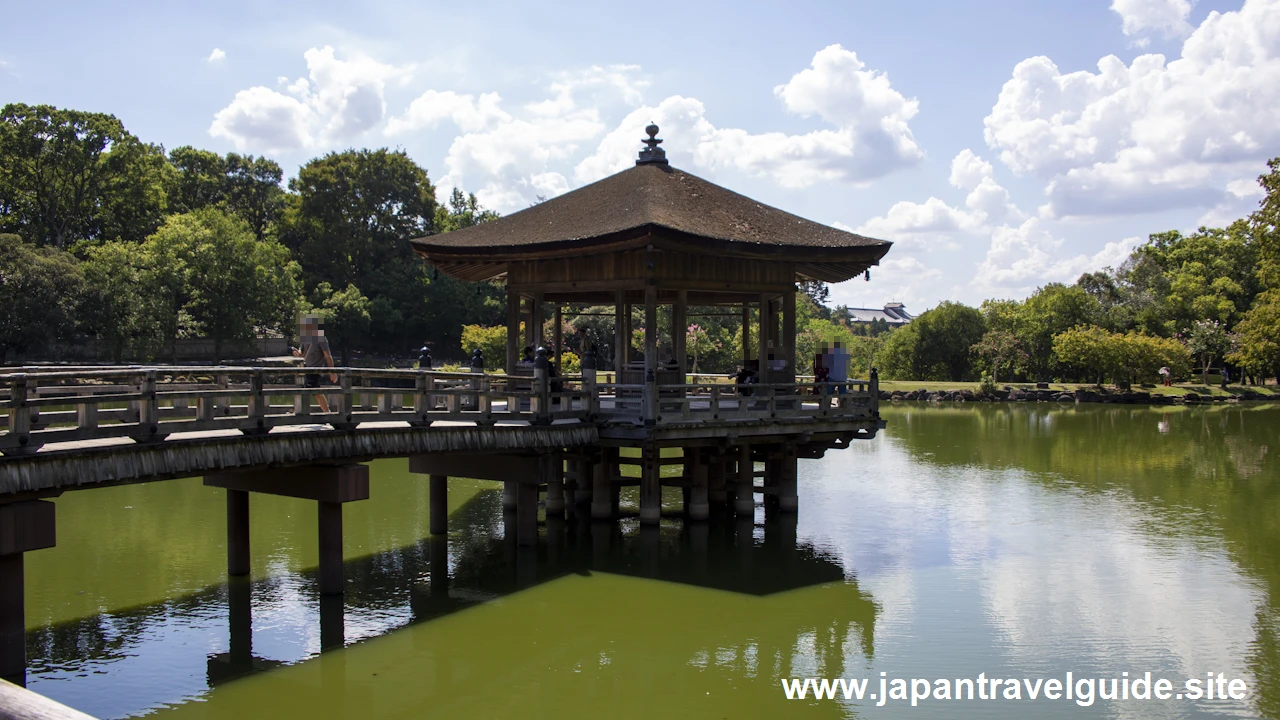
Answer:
(19, 703)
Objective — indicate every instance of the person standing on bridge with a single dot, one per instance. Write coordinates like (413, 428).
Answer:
(314, 352)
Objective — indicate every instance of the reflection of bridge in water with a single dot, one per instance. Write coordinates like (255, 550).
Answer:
(442, 575)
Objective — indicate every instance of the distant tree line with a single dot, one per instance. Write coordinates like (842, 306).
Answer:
(1207, 299)
(106, 238)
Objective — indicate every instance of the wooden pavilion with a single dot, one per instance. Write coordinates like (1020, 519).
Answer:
(657, 237)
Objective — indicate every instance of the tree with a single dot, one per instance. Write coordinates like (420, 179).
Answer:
(1258, 337)
(490, 341)
(698, 343)
(1088, 348)
(998, 347)
(1050, 310)
(121, 306)
(40, 290)
(247, 186)
(238, 284)
(947, 333)
(67, 175)
(345, 314)
(463, 211)
(1207, 340)
(898, 356)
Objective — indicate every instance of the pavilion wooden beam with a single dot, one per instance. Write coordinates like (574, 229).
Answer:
(789, 335)
(650, 328)
(679, 322)
(619, 331)
(762, 357)
(513, 329)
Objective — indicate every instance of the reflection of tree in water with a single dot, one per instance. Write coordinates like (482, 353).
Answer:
(428, 580)
(1207, 472)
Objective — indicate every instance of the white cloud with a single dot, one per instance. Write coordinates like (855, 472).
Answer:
(987, 203)
(1148, 136)
(469, 113)
(1167, 18)
(216, 56)
(871, 137)
(1024, 257)
(338, 101)
(899, 276)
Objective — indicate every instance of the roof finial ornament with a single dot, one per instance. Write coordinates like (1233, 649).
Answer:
(652, 154)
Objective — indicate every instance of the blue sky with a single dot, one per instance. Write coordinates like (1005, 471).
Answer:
(1001, 145)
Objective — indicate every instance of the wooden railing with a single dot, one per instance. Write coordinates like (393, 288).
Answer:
(149, 404)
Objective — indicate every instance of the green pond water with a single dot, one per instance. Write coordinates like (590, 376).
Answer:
(1020, 541)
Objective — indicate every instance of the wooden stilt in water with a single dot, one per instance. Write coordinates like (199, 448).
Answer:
(650, 486)
(439, 499)
(699, 507)
(330, 522)
(238, 557)
(526, 514)
(744, 504)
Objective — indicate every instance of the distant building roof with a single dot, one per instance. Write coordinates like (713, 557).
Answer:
(893, 313)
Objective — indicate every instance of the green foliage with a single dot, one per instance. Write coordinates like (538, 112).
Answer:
(1052, 309)
(1000, 348)
(1123, 357)
(698, 343)
(39, 292)
(1207, 340)
(898, 356)
(947, 333)
(121, 307)
(346, 316)
(987, 384)
(492, 341)
(463, 211)
(236, 284)
(1257, 341)
(67, 175)
(248, 187)
(570, 363)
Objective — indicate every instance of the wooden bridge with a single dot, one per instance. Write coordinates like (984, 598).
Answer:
(260, 430)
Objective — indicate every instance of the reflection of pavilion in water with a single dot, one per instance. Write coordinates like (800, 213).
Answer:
(483, 563)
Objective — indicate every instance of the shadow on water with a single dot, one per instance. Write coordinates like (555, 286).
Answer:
(479, 562)
(1203, 472)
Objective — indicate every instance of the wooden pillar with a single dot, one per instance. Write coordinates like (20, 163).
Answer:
(24, 526)
(602, 486)
(626, 333)
(650, 328)
(509, 494)
(650, 485)
(716, 487)
(527, 514)
(620, 330)
(439, 499)
(788, 495)
(766, 319)
(330, 522)
(746, 333)
(557, 336)
(585, 474)
(554, 471)
(513, 329)
(789, 335)
(699, 507)
(679, 327)
(333, 627)
(13, 620)
(238, 532)
(535, 310)
(744, 503)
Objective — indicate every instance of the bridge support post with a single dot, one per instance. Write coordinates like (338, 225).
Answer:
(699, 507)
(716, 491)
(24, 526)
(439, 500)
(237, 532)
(744, 503)
(527, 513)
(602, 486)
(553, 469)
(329, 485)
(788, 486)
(650, 485)
(509, 494)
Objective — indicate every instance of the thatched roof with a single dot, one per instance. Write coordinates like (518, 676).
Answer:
(653, 199)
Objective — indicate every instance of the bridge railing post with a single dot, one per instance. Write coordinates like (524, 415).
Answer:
(19, 412)
(148, 407)
(257, 402)
(346, 404)
(874, 388)
(486, 402)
